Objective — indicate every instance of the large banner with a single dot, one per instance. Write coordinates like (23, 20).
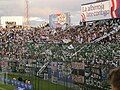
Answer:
(100, 10)
(58, 20)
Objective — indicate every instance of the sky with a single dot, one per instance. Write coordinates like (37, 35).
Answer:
(42, 8)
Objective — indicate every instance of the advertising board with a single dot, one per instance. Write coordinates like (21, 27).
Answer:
(100, 10)
(58, 20)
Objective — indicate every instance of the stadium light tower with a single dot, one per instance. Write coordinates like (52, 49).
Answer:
(26, 17)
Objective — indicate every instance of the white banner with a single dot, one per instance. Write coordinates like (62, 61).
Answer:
(96, 11)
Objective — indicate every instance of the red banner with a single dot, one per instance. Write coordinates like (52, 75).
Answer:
(115, 8)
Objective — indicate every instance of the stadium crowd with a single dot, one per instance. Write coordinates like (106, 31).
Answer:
(83, 33)
(12, 41)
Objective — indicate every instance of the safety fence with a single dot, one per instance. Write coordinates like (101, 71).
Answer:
(65, 66)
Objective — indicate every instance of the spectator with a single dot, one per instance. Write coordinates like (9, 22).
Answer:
(114, 77)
